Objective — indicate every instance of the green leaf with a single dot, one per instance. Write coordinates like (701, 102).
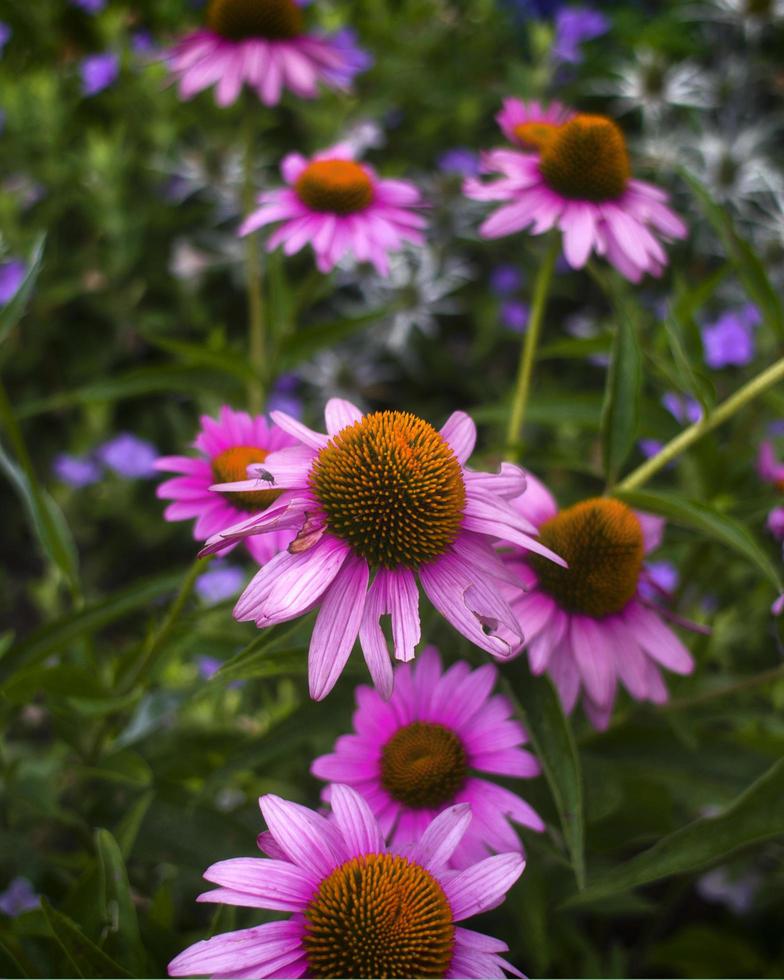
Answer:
(576, 347)
(117, 905)
(756, 815)
(46, 519)
(552, 738)
(184, 379)
(621, 409)
(749, 267)
(257, 660)
(13, 311)
(227, 361)
(87, 959)
(685, 342)
(691, 514)
(58, 635)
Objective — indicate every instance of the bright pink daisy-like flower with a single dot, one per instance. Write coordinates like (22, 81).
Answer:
(377, 502)
(426, 749)
(359, 909)
(589, 626)
(339, 207)
(263, 44)
(530, 124)
(581, 183)
(228, 445)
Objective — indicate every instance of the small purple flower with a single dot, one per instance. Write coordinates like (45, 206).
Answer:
(222, 581)
(208, 666)
(5, 35)
(775, 523)
(98, 72)
(574, 26)
(661, 578)
(737, 894)
(12, 275)
(19, 897)
(355, 59)
(129, 456)
(682, 408)
(729, 341)
(142, 43)
(90, 6)
(284, 397)
(514, 315)
(650, 447)
(459, 160)
(505, 280)
(76, 471)
(776, 428)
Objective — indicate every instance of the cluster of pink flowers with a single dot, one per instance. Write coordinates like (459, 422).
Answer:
(355, 521)
(351, 522)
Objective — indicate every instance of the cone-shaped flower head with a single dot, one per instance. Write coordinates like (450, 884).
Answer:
(429, 747)
(379, 502)
(266, 45)
(358, 908)
(577, 177)
(340, 207)
(590, 626)
(228, 445)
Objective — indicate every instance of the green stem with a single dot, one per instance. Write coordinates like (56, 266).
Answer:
(688, 437)
(257, 339)
(157, 638)
(746, 684)
(528, 350)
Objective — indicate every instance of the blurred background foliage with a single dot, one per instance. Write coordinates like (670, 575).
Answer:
(128, 763)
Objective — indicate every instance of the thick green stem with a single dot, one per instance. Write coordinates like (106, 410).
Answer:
(257, 339)
(528, 350)
(688, 437)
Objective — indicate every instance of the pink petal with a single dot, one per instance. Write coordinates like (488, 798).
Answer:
(234, 951)
(339, 414)
(483, 886)
(269, 884)
(356, 821)
(459, 431)
(309, 840)
(316, 440)
(437, 844)
(371, 636)
(337, 626)
(658, 640)
(594, 657)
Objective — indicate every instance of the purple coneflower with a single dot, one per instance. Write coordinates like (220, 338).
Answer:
(358, 908)
(378, 502)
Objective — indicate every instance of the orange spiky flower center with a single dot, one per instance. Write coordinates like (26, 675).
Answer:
(535, 135)
(423, 765)
(602, 541)
(392, 487)
(586, 159)
(241, 20)
(231, 466)
(334, 186)
(379, 915)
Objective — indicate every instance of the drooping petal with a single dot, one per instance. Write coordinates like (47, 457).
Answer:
(337, 626)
